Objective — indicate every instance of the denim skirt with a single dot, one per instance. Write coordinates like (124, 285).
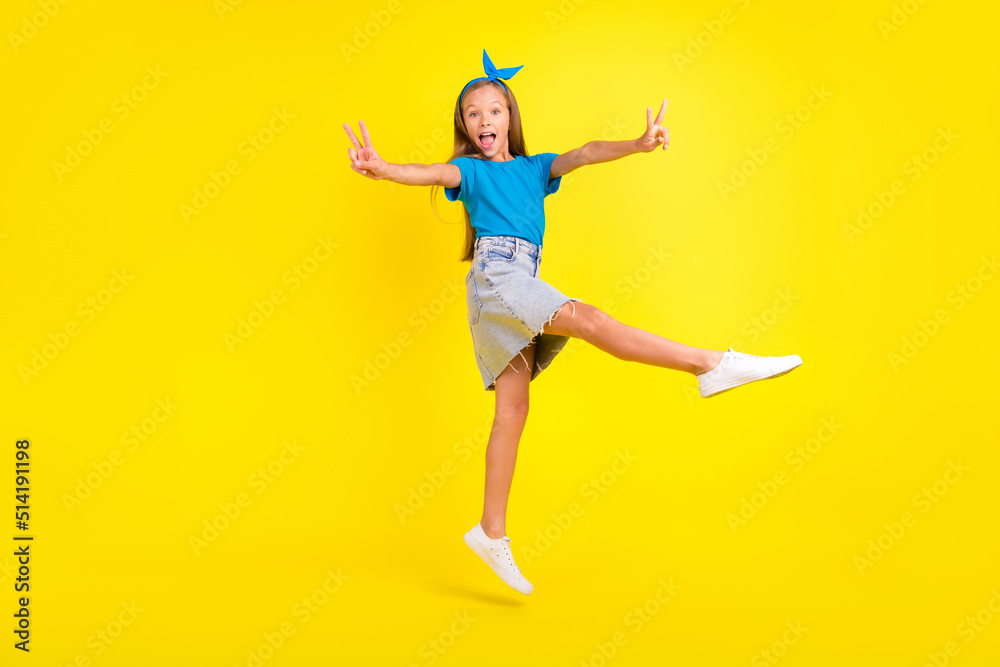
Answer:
(508, 306)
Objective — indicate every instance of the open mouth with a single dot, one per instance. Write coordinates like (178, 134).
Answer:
(487, 139)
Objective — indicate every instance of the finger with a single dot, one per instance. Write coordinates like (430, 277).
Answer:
(661, 113)
(649, 118)
(352, 154)
(350, 133)
(666, 138)
(364, 134)
(663, 110)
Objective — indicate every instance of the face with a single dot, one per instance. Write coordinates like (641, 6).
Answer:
(486, 120)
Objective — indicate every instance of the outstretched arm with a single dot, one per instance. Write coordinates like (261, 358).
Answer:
(367, 162)
(593, 152)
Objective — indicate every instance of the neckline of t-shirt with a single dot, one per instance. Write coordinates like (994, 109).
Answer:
(516, 157)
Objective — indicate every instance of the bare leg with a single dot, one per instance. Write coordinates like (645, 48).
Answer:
(509, 419)
(629, 343)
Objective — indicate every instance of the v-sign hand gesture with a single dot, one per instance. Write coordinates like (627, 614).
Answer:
(364, 159)
(655, 133)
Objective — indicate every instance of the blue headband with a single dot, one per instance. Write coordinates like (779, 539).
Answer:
(492, 74)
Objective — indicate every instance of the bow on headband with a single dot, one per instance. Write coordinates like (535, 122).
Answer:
(492, 74)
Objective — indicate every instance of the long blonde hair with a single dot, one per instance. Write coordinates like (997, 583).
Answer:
(465, 146)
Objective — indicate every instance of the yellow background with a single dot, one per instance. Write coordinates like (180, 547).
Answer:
(590, 70)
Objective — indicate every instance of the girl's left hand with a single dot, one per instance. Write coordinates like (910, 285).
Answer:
(655, 134)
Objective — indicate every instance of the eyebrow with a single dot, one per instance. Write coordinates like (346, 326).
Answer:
(490, 103)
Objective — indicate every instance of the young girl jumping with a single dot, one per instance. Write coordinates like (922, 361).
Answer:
(518, 322)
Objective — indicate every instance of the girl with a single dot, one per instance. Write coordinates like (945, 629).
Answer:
(518, 322)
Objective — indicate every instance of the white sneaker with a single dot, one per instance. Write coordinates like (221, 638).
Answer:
(737, 368)
(497, 554)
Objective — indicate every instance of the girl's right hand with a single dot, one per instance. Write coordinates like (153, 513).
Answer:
(364, 159)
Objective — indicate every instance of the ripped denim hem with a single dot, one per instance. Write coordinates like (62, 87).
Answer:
(541, 331)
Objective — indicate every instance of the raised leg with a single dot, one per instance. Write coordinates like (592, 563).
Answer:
(583, 320)
(509, 418)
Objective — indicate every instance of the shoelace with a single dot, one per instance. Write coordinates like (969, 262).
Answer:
(744, 354)
(505, 547)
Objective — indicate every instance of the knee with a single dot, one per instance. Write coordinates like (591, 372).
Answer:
(514, 413)
(591, 319)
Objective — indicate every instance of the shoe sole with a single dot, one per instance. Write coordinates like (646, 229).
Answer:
(479, 551)
(740, 384)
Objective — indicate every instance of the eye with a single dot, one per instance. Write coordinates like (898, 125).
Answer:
(496, 111)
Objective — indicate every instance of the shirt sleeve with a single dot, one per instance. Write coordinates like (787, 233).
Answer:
(544, 161)
(467, 168)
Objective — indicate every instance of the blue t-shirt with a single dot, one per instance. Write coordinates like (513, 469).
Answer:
(506, 197)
